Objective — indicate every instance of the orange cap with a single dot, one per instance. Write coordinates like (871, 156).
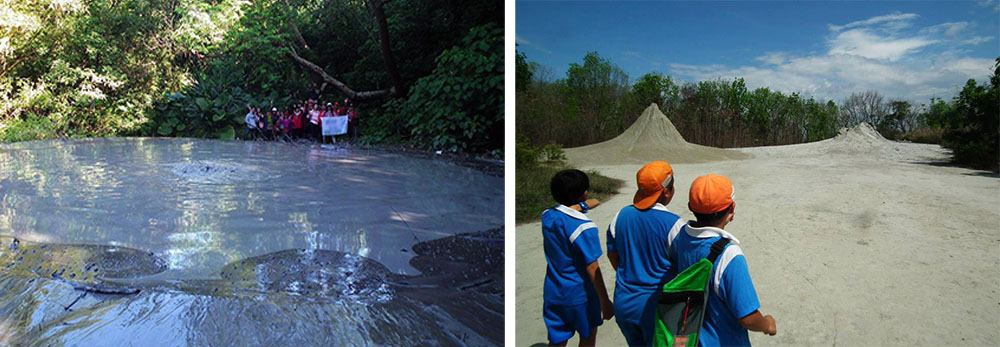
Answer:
(710, 194)
(652, 178)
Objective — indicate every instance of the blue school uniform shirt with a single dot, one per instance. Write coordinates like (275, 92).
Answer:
(641, 238)
(731, 292)
(571, 242)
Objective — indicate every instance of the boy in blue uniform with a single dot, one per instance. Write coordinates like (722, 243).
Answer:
(638, 241)
(575, 297)
(732, 300)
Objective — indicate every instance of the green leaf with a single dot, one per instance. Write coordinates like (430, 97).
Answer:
(202, 103)
(164, 129)
(227, 133)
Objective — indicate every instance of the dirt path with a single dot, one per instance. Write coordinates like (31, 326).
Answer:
(854, 240)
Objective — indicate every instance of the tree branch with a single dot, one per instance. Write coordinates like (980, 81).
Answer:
(295, 28)
(351, 94)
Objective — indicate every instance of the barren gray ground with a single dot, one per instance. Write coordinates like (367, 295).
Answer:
(855, 240)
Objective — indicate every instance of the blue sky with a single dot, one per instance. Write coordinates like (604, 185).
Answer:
(902, 49)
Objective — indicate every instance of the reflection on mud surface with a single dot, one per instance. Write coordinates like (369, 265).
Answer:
(230, 243)
(85, 264)
(357, 301)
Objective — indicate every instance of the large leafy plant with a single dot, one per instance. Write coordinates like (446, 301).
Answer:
(210, 108)
(460, 105)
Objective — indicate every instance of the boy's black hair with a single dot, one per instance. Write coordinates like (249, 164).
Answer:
(569, 185)
(711, 218)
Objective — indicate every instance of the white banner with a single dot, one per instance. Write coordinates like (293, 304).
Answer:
(334, 125)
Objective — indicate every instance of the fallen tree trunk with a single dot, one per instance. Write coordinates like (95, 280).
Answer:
(351, 94)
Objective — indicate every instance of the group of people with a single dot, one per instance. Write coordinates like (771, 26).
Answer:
(647, 245)
(300, 121)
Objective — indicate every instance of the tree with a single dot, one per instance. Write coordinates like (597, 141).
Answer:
(868, 107)
(973, 132)
(655, 88)
(900, 120)
(595, 91)
(398, 88)
(524, 72)
(937, 113)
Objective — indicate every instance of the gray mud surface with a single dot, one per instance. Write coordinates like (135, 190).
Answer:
(458, 300)
(201, 242)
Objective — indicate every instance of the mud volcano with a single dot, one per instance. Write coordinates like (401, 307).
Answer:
(651, 137)
(194, 242)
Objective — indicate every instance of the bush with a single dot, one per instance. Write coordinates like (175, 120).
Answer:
(974, 127)
(211, 108)
(32, 127)
(925, 135)
(552, 153)
(526, 155)
(459, 106)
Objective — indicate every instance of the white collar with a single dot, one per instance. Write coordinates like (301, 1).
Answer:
(572, 213)
(706, 232)
(660, 207)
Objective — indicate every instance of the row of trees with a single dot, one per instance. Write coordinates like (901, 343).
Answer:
(596, 101)
(188, 67)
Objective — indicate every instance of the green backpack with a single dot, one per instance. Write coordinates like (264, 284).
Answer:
(680, 309)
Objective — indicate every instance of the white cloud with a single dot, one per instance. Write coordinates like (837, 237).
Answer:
(873, 54)
(977, 40)
(773, 58)
(863, 43)
(987, 3)
(970, 66)
(524, 42)
(895, 20)
(950, 29)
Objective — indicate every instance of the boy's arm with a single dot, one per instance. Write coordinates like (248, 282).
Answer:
(612, 250)
(741, 297)
(757, 322)
(591, 203)
(607, 308)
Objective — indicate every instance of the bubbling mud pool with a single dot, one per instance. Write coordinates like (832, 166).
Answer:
(192, 242)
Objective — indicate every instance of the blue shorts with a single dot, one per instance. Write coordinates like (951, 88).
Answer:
(562, 321)
(635, 314)
(633, 333)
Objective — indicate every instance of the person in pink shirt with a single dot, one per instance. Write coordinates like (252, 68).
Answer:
(314, 121)
(285, 126)
(297, 122)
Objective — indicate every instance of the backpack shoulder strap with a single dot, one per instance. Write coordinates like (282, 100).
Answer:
(717, 249)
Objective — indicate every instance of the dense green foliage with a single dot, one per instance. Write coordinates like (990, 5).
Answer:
(973, 124)
(73, 68)
(456, 107)
(189, 67)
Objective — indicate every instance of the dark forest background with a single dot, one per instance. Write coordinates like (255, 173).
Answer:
(428, 72)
